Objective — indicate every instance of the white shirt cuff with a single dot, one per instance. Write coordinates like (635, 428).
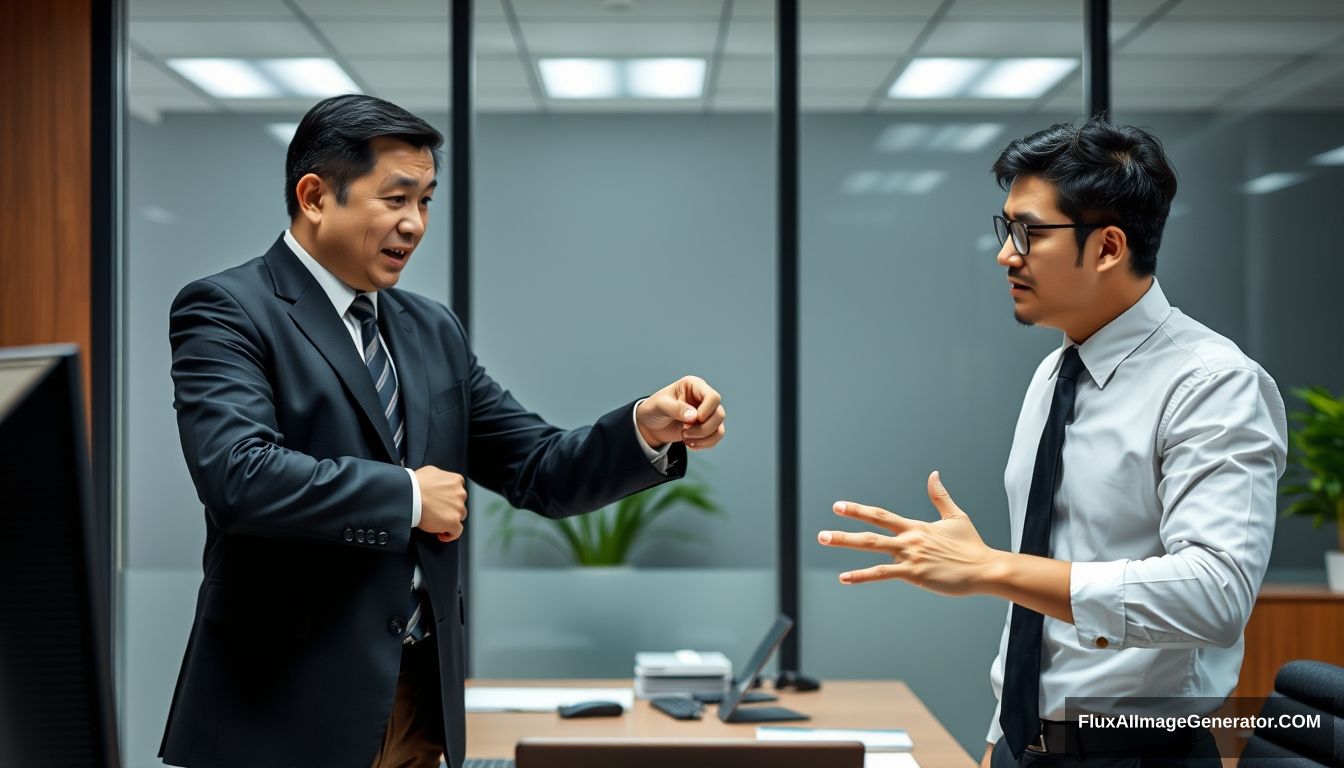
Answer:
(995, 730)
(1097, 594)
(656, 457)
(415, 499)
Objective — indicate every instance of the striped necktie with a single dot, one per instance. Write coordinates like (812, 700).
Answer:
(385, 381)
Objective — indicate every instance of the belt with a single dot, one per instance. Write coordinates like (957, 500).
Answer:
(1066, 738)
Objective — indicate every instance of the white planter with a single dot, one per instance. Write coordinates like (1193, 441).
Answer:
(1334, 570)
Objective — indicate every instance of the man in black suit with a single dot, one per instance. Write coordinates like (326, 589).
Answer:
(330, 422)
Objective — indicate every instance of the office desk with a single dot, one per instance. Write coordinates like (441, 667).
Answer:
(839, 704)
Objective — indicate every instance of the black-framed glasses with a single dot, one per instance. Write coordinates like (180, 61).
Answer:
(1020, 231)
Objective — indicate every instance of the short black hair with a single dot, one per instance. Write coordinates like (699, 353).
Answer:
(1102, 173)
(333, 141)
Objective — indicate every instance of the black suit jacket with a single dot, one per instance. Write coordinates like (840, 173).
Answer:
(296, 644)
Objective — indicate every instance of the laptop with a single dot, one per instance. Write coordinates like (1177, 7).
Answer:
(730, 710)
(680, 753)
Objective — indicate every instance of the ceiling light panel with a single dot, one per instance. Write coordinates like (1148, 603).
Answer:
(226, 78)
(309, 77)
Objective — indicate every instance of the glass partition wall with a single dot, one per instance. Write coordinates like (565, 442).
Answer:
(624, 233)
(624, 237)
(214, 93)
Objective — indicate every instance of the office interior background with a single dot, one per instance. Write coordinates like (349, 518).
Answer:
(624, 233)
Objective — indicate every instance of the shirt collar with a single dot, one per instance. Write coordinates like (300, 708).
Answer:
(1117, 340)
(341, 295)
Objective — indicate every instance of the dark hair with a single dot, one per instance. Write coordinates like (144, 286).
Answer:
(333, 141)
(1102, 173)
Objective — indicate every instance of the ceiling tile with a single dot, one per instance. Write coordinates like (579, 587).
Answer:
(429, 72)
(1006, 38)
(1217, 73)
(618, 10)
(424, 9)
(620, 39)
(855, 38)
(750, 38)
(500, 74)
(748, 100)
(843, 74)
(489, 9)
(224, 38)
(150, 103)
(493, 37)
(370, 39)
(422, 101)
(1259, 8)
(834, 100)
(746, 73)
(141, 75)
(506, 101)
(235, 9)
(1230, 38)
(1061, 9)
(920, 9)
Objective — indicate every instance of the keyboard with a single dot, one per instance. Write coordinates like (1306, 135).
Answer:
(679, 707)
(486, 762)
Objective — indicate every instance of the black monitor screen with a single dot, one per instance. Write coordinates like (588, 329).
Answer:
(747, 675)
(55, 691)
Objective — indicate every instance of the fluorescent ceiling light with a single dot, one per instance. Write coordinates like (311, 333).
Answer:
(283, 132)
(869, 182)
(226, 78)
(949, 78)
(1023, 78)
(936, 78)
(310, 77)
(861, 182)
(904, 137)
(665, 78)
(1271, 182)
(953, 137)
(580, 78)
(1333, 157)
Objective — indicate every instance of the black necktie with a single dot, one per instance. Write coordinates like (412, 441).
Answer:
(1019, 713)
(385, 381)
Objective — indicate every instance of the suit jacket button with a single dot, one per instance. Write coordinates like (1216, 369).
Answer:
(359, 535)
(396, 626)
(382, 538)
(349, 534)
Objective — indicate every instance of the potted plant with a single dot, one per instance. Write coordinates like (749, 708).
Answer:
(606, 536)
(1316, 470)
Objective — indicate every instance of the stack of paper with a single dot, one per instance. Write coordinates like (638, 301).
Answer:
(682, 673)
(883, 748)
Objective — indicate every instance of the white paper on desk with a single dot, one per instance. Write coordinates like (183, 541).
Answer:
(894, 739)
(889, 760)
(541, 699)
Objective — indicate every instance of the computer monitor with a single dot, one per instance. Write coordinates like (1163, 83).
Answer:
(55, 681)
(679, 753)
(729, 711)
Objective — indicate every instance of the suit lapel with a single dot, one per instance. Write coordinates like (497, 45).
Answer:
(404, 346)
(317, 319)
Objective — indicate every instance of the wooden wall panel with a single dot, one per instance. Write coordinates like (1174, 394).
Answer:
(45, 143)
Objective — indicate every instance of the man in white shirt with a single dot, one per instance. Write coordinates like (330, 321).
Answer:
(1141, 482)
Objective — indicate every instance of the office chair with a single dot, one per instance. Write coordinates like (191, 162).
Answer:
(1301, 688)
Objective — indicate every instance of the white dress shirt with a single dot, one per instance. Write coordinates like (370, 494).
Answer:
(342, 296)
(1165, 508)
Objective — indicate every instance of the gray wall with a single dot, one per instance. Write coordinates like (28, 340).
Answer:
(615, 253)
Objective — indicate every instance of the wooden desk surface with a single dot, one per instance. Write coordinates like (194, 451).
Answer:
(839, 704)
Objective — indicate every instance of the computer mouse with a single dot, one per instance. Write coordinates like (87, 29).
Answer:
(591, 709)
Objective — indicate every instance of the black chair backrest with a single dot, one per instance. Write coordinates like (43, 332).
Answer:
(1311, 689)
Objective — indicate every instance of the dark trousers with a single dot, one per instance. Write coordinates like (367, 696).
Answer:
(414, 737)
(1203, 753)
